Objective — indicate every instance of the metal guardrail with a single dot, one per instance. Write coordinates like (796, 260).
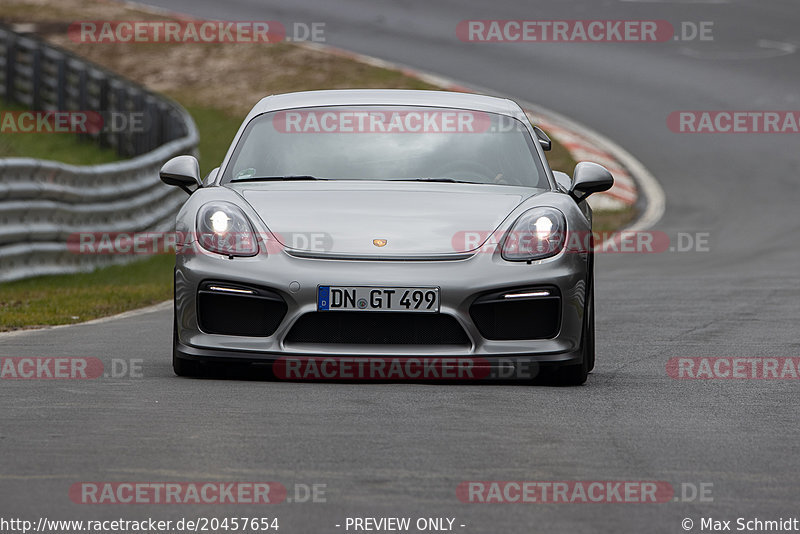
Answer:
(42, 202)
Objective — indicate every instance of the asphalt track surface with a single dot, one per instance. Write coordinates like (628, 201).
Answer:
(402, 449)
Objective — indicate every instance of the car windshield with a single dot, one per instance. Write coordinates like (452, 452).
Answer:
(386, 143)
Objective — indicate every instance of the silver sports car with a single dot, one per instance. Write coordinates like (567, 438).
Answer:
(386, 234)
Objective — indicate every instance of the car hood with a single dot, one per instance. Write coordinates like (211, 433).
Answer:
(345, 219)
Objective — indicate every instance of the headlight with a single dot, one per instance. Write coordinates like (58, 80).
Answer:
(537, 234)
(224, 229)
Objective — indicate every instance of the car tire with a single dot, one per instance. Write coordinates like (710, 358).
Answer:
(182, 366)
(186, 368)
(576, 375)
(590, 340)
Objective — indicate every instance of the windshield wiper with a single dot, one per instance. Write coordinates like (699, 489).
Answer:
(443, 179)
(290, 177)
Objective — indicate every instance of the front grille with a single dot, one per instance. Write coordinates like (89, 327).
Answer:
(497, 318)
(256, 315)
(378, 328)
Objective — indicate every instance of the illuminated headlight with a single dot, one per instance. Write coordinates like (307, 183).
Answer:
(537, 234)
(224, 229)
(220, 222)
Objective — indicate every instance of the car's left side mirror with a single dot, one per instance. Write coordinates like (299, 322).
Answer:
(544, 141)
(589, 178)
(183, 172)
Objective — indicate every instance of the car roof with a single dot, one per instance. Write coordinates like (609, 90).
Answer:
(387, 97)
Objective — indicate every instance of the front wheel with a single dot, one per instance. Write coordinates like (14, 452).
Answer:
(181, 366)
(575, 375)
(590, 334)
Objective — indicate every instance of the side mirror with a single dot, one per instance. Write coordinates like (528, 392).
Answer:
(589, 178)
(183, 172)
(543, 139)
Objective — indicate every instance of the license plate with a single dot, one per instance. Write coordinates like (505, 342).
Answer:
(366, 298)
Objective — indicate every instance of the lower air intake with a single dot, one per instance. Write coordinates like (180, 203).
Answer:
(377, 328)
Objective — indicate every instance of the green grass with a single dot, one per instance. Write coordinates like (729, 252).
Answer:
(64, 147)
(65, 299)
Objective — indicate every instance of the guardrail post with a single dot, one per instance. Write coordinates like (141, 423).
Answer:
(83, 97)
(103, 105)
(36, 78)
(61, 82)
(11, 66)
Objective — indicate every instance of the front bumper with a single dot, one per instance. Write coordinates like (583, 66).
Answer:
(461, 282)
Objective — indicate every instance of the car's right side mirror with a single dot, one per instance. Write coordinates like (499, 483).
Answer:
(589, 178)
